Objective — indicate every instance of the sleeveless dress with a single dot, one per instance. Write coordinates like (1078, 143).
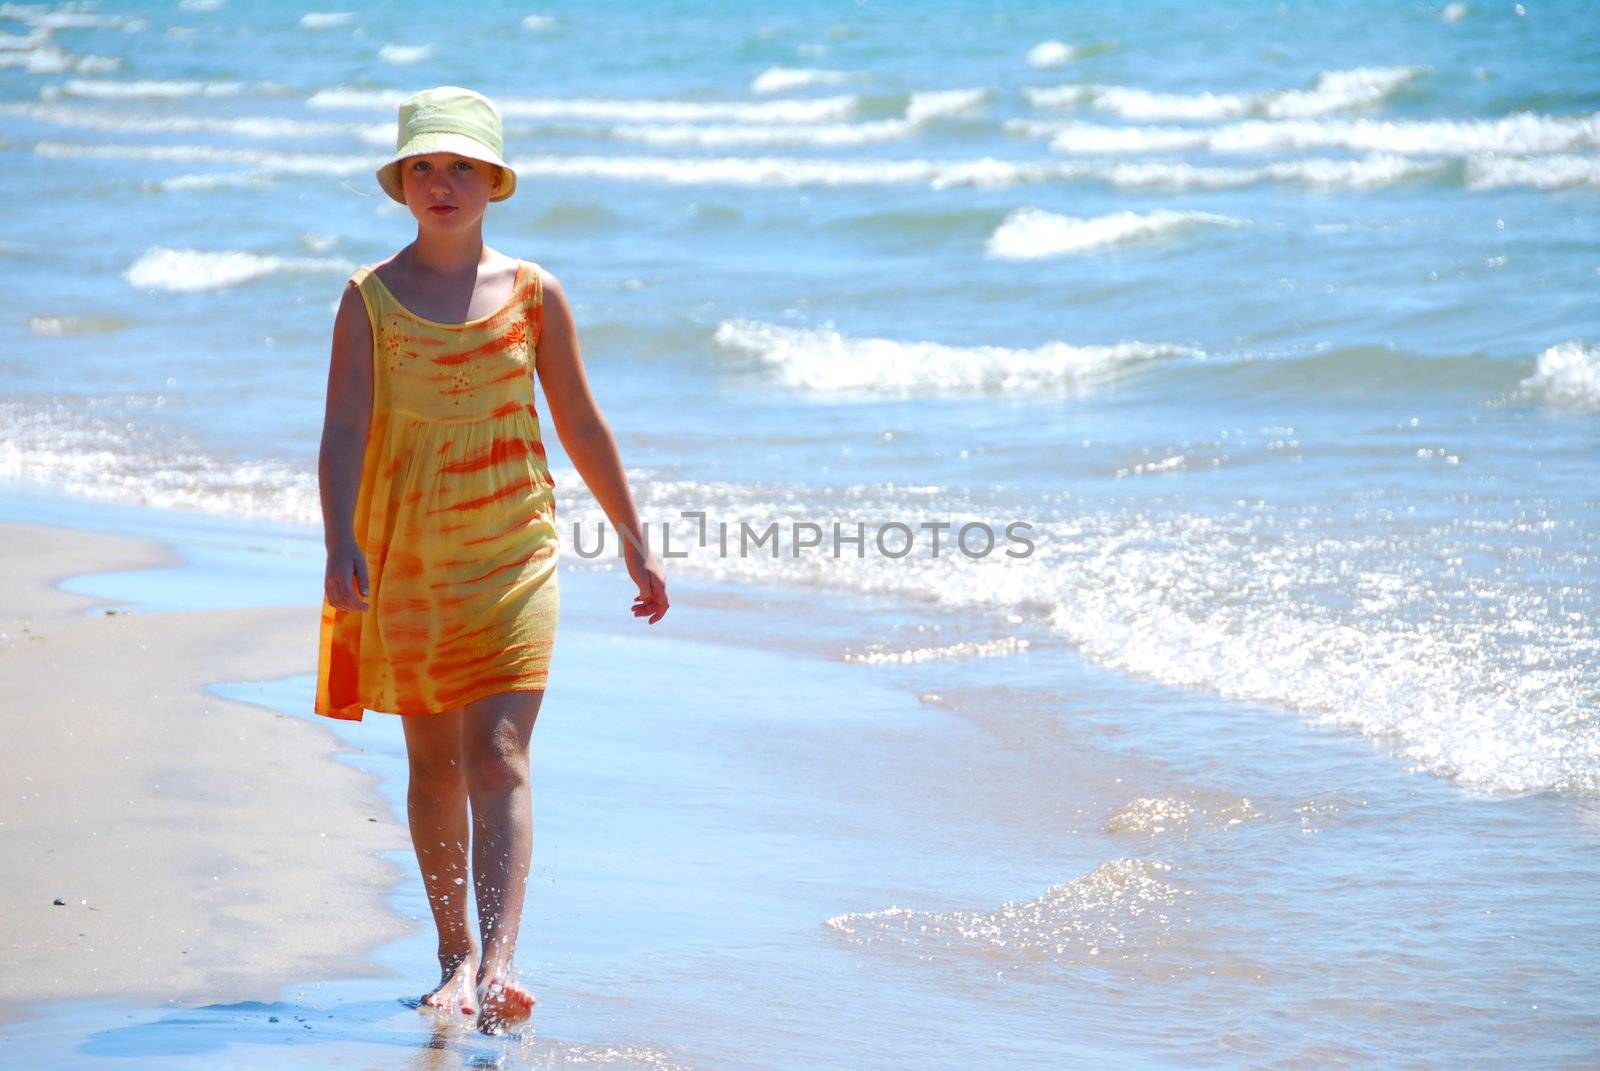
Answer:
(455, 513)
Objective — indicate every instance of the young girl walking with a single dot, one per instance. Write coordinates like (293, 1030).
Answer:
(439, 518)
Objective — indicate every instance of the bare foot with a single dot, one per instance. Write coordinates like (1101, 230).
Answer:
(455, 990)
(505, 1002)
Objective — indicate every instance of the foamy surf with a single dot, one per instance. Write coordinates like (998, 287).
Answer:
(147, 89)
(920, 110)
(265, 161)
(811, 110)
(259, 127)
(1523, 133)
(47, 58)
(934, 104)
(1032, 233)
(988, 172)
(1539, 172)
(115, 461)
(1567, 376)
(712, 136)
(1047, 54)
(1495, 700)
(1334, 91)
(998, 648)
(404, 55)
(193, 269)
(785, 79)
(1114, 910)
(325, 20)
(821, 360)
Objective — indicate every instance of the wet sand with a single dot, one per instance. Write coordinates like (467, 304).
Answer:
(160, 841)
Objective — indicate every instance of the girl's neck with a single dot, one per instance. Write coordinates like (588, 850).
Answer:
(448, 254)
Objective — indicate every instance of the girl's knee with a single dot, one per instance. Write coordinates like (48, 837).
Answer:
(441, 778)
(496, 765)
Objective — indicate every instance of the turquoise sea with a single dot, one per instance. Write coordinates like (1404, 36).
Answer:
(1274, 325)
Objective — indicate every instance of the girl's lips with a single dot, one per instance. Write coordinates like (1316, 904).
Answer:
(440, 210)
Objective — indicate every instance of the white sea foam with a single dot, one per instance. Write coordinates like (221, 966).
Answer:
(1112, 910)
(1334, 91)
(1070, 96)
(31, 39)
(718, 136)
(1454, 12)
(799, 171)
(1051, 54)
(265, 160)
(194, 269)
(921, 108)
(113, 461)
(1032, 233)
(784, 79)
(131, 122)
(1078, 137)
(325, 20)
(538, 23)
(41, 59)
(1520, 133)
(818, 110)
(146, 89)
(42, 18)
(775, 171)
(1364, 173)
(941, 103)
(215, 180)
(201, 5)
(1008, 645)
(822, 360)
(404, 55)
(1540, 172)
(1567, 375)
(1498, 698)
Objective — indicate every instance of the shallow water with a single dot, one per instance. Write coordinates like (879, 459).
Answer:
(1276, 325)
(753, 854)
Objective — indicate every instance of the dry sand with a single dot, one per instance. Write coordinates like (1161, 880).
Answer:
(205, 850)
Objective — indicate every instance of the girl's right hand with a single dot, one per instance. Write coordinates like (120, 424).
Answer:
(345, 583)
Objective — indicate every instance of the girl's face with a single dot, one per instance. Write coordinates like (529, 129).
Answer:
(447, 191)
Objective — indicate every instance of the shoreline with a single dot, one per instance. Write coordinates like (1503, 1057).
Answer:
(196, 863)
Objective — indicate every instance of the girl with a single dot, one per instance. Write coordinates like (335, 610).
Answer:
(439, 517)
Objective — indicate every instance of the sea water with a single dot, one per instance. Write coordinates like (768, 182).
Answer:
(1273, 324)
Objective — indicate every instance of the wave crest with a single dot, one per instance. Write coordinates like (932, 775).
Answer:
(824, 361)
(1032, 233)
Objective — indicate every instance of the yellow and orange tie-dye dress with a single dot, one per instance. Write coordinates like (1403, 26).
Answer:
(456, 514)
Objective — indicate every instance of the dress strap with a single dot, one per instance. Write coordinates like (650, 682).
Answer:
(534, 277)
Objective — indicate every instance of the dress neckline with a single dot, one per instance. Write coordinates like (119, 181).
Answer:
(516, 288)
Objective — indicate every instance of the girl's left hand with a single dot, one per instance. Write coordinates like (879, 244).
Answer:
(651, 602)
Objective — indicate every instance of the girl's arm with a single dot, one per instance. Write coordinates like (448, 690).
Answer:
(344, 443)
(587, 439)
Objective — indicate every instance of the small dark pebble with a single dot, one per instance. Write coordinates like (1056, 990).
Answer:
(272, 1018)
(372, 819)
(60, 902)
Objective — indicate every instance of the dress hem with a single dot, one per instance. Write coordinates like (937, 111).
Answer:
(355, 711)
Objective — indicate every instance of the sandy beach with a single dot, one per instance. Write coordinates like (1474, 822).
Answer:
(163, 842)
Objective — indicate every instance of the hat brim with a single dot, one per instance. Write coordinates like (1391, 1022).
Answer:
(461, 145)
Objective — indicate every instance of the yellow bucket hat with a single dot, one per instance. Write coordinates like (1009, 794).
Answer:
(448, 119)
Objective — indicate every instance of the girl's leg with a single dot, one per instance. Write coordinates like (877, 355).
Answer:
(495, 735)
(436, 804)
